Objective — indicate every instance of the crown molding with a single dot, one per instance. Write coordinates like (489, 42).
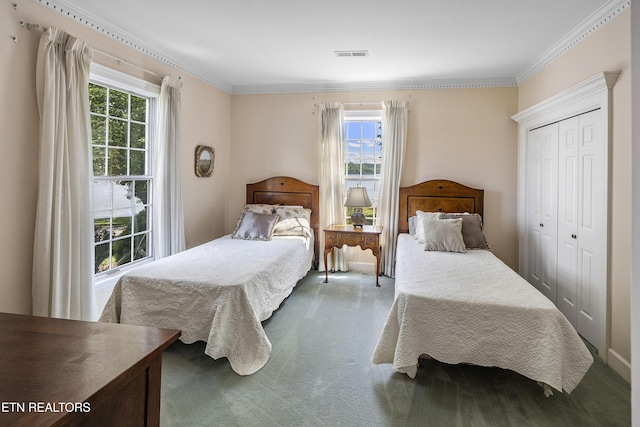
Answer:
(589, 26)
(596, 20)
(128, 39)
(372, 86)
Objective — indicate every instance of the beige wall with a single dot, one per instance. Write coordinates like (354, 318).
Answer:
(459, 134)
(608, 49)
(205, 120)
(465, 135)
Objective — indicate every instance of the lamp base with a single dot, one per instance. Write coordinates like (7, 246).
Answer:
(357, 218)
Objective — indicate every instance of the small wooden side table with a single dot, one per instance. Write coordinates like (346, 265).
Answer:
(367, 237)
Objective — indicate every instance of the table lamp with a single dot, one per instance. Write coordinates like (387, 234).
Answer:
(357, 198)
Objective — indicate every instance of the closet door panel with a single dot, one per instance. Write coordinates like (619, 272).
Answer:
(591, 228)
(568, 177)
(534, 217)
(543, 209)
(549, 211)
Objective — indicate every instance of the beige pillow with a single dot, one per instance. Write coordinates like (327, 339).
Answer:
(293, 221)
(471, 230)
(260, 208)
(444, 235)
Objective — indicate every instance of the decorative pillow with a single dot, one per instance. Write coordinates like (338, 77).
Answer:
(254, 226)
(293, 221)
(471, 230)
(260, 208)
(412, 225)
(444, 235)
(422, 218)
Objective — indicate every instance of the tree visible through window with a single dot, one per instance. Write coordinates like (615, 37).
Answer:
(363, 157)
(122, 177)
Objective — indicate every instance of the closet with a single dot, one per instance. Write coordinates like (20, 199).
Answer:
(563, 202)
(566, 224)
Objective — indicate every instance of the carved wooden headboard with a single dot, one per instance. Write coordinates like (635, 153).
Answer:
(438, 195)
(283, 190)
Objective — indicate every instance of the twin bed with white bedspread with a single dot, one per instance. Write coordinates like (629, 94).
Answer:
(472, 308)
(221, 291)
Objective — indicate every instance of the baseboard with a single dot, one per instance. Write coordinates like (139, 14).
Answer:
(619, 364)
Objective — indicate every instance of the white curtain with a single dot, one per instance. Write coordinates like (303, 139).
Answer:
(331, 119)
(394, 137)
(63, 264)
(169, 215)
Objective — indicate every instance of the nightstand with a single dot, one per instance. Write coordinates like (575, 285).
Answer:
(367, 237)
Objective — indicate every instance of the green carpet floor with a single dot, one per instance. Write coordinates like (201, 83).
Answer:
(320, 374)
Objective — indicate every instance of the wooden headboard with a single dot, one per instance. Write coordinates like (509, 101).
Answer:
(283, 190)
(438, 195)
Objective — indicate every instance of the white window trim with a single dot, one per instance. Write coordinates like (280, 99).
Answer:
(106, 76)
(124, 82)
(361, 115)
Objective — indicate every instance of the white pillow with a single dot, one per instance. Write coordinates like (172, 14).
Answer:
(444, 235)
(293, 221)
(423, 217)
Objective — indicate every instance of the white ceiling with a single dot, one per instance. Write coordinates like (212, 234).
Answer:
(271, 45)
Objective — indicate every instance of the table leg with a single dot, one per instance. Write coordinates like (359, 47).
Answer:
(377, 270)
(326, 267)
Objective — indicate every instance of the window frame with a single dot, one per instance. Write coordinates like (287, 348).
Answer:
(362, 116)
(116, 80)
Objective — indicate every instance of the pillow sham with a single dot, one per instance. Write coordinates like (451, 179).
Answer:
(412, 225)
(254, 226)
(444, 235)
(260, 208)
(293, 221)
(472, 233)
(423, 217)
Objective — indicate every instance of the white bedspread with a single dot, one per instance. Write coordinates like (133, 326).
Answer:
(472, 308)
(218, 292)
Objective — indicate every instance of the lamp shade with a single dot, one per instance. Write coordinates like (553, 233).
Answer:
(357, 198)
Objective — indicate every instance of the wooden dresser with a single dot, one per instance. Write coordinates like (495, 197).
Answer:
(67, 373)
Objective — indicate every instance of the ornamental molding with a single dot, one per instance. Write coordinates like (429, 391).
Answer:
(589, 26)
(596, 20)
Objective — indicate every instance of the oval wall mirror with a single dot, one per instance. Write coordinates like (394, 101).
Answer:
(205, 157)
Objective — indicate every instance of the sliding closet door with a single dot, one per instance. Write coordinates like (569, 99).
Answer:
(543, 209)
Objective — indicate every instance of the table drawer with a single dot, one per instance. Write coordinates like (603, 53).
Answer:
(351, 239)
(331, 238)
(371, 242)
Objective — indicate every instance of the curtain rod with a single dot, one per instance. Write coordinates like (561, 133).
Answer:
(379, 103)
(120, 61)
(363, 103)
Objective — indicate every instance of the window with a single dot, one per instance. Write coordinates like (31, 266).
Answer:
(122, 119)
(363, 156)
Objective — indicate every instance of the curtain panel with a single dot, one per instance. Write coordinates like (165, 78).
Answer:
(63, 264)
(169, 215)
(330, 128)
(394, 138)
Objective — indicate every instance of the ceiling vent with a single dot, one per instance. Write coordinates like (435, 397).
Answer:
(352, 53)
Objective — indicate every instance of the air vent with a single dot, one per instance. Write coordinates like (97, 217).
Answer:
(352, 53)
